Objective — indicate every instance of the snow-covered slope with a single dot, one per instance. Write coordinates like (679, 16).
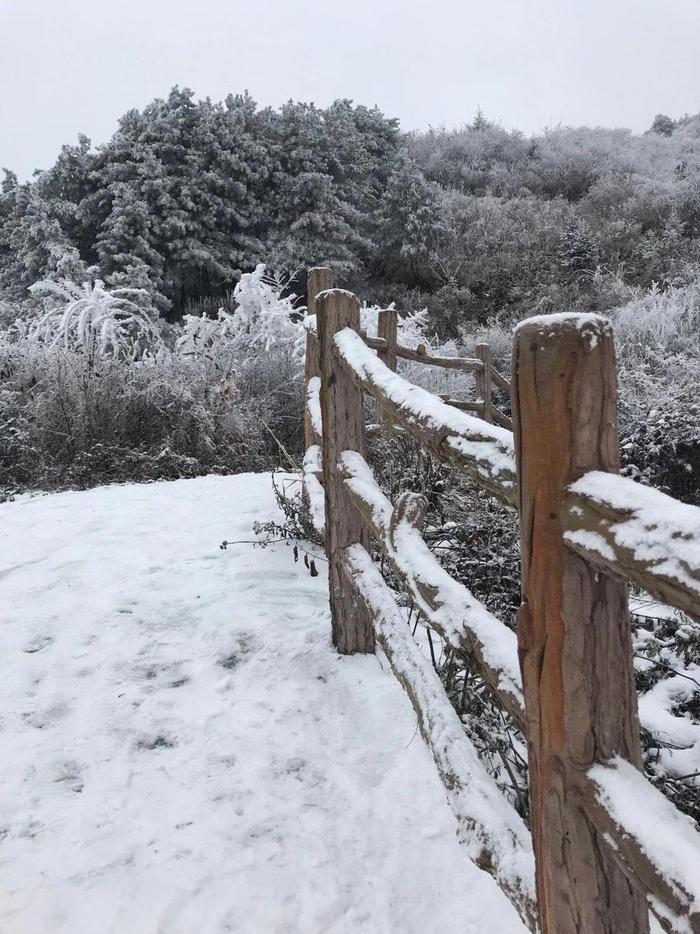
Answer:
(183, 751)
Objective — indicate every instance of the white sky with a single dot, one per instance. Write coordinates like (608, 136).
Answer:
(70, 66)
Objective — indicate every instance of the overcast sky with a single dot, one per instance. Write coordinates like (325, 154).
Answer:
(71, 66)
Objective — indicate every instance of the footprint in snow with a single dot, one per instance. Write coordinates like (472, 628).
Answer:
(156, 676)
(40, 720)
(68, 773)
(38, 644)
(244, 646)
(159, 741)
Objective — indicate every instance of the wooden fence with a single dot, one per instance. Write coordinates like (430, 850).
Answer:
(607, 845)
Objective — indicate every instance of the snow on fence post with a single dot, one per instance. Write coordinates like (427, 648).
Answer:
(343, 430)
(388, 329)
(319, 279)
(574, 637)
(484, 380)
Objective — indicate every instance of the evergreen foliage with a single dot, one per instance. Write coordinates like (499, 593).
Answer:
(480, 221)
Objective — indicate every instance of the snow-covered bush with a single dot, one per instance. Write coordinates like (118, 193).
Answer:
(657, 340)
(660, 331)
(263, 318)
(261, 321)
(413, 326)
(8, 315)
(95, 321)
(208, 340)
(90, 393)
(67, 421)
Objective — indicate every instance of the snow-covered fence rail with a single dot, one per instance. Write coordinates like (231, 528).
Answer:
(453, 612)
(638, 533)
(567, 678)
(493, 833)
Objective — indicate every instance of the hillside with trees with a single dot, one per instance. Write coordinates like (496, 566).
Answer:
(472, 223)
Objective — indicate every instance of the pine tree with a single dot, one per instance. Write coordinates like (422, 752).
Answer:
(410, 224)
(577, 250)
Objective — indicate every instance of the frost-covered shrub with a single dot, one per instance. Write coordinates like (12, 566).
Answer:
(413, 326)
(261, 321)
(667, 662)
(263, 318)
(8, 315)
(660, 331)
(91, 393)
(67, 420)
(95, 321)
(660, 441)
(657, 339)
(208, 340)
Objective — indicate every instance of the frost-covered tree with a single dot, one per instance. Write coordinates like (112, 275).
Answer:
(410, 225)
(35, 244)
(480, 121)
(183, 182)
(577, 251)
(330, 170)
(663, 125)
(188, 195)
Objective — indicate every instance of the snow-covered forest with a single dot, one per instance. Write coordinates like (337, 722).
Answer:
(152, 299)
(473, 222)
(479, 226)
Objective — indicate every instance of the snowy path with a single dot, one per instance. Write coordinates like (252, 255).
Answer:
(183, 751)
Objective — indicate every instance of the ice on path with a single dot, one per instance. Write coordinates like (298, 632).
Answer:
(183, 750)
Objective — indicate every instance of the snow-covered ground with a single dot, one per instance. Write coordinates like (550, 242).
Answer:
(182, 749)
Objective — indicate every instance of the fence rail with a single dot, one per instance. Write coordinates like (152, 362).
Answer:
(567, 678)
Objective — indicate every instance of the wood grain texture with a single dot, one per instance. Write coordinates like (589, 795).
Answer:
(500, 381)
(573, 628)
(343, 430)
(319, 279)
(484, 380)
(387, 330)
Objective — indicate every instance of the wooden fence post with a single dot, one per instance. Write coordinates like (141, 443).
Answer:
(343, 430)
(387, 328)
(319, 279)
(484, 380)
(573, 627)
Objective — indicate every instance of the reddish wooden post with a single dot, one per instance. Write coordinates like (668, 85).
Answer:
(387, 328)
(573, 627)
(343, 430)
(484, 380)
(319, 279)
